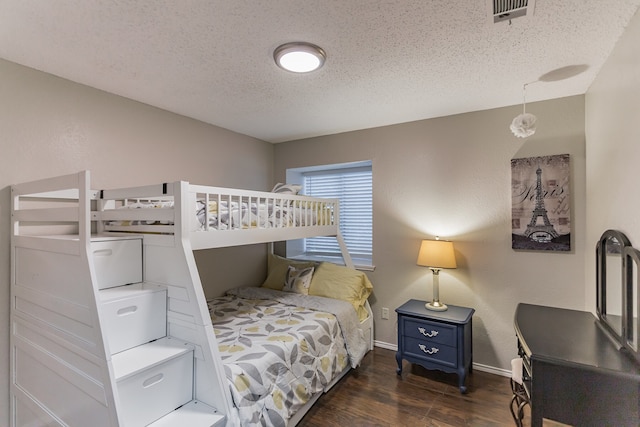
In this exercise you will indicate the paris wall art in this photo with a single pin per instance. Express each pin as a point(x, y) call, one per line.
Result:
point(540, 203)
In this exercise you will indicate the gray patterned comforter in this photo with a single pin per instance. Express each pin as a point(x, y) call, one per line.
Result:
point(280, 348)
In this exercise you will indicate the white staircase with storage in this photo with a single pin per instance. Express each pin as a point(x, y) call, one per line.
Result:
point(93, 340)
point(153, 372)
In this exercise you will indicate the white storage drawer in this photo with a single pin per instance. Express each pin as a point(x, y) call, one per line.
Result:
point(117, 262)
point(153, 380)
point(133, 315)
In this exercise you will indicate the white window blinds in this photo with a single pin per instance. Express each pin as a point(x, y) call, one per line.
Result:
point(353, 187)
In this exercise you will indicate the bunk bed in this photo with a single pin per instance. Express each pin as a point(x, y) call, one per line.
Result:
point(109, 322)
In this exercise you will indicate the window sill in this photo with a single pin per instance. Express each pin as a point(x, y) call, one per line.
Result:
point(361, 264)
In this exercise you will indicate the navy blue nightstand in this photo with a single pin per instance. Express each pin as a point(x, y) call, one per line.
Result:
point(436, 339)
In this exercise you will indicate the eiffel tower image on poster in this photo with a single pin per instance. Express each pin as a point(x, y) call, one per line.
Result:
point(537, 231)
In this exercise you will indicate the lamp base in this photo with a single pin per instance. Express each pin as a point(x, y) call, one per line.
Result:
point(436, 306)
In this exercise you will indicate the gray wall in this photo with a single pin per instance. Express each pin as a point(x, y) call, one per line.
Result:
point(451, 177)
point(613, 144)
point(51, 126)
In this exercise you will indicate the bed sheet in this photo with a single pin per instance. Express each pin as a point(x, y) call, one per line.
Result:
point(277, 355)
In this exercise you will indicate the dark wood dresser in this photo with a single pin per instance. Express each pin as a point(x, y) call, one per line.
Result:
point(573, 372)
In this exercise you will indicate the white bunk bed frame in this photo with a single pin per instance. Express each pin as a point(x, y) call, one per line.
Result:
point(62, 371)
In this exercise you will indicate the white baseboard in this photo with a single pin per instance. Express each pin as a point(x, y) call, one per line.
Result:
point(476, 366)
point(386, 345)
point(492, 370)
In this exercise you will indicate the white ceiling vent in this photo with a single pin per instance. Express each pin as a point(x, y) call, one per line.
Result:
point(506, 10)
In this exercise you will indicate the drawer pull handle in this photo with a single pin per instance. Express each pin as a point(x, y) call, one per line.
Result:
point(432, 350)
point(103, 252)
point(127, 310)
point(152, 381)
point(431, 334)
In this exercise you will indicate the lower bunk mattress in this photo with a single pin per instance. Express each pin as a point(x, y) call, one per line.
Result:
point(279, 349)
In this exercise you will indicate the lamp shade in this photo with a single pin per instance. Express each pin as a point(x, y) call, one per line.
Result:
point(436, 254)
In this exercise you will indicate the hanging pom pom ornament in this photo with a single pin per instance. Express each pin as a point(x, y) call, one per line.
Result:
point(524, 124)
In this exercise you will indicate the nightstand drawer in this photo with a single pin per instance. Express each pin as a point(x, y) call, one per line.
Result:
point(434, 332)
point(431, 351)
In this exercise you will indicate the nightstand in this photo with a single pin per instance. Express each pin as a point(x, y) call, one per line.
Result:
point(436, 339)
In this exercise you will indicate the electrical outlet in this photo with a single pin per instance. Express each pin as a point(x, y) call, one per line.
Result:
point(385, 313)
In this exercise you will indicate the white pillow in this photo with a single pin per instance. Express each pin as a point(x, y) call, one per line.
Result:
point(298, 280)
point(286, 188)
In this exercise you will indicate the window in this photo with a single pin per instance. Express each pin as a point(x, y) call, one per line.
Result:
point(352, 185)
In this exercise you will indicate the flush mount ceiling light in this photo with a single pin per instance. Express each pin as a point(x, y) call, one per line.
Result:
point(299, 57)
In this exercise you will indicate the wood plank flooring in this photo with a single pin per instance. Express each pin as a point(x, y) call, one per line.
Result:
point(374, 395)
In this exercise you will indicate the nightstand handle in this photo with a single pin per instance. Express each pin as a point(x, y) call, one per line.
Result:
point(431, 334)
point(424, 349)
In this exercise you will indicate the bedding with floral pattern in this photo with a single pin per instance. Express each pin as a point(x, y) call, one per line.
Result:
point(281, 348)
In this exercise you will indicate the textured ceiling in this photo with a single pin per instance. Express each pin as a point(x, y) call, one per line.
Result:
point(387, 61)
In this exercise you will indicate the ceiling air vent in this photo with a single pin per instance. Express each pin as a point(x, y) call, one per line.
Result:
point(506, 10)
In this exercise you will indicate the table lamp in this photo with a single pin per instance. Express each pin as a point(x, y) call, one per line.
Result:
point(436, 254)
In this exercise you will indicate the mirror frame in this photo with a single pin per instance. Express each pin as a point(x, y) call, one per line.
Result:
point(601, 285)
point(631, 261)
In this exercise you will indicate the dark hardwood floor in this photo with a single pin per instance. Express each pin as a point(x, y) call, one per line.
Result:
point(374, 395)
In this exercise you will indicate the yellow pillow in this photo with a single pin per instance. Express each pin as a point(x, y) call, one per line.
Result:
point(277, 267)
point(339, 282)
